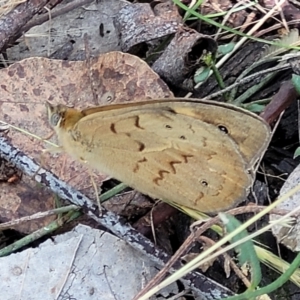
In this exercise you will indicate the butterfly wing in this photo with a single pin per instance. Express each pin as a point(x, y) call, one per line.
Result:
point(165, 154)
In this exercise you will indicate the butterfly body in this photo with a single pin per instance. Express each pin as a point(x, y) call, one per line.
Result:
point(173, 150)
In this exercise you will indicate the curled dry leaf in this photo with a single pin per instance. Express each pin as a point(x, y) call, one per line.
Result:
point(182, 56)
point(110, 78)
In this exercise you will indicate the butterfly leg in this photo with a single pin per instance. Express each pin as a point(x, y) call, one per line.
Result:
point(51, 149)
point(94, 186)
point(96, 191)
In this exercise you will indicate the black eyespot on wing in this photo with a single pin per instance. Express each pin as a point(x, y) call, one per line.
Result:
point(168, 126)
point(204, 183)
point(182, 137)
point(223, 129)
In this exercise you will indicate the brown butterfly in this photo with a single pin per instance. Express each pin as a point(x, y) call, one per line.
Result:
point(198, 154)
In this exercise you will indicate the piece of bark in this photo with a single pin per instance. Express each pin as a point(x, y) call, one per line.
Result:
point(12, 23)
point(63, 52)
point(138, 24)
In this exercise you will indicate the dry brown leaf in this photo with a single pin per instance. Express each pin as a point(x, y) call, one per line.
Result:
point(110, 78)
point(24, 199)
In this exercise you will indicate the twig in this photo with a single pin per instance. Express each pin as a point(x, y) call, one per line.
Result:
point(247, 79)
point(12, 23)
point(280, 101)
point(38, 215)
